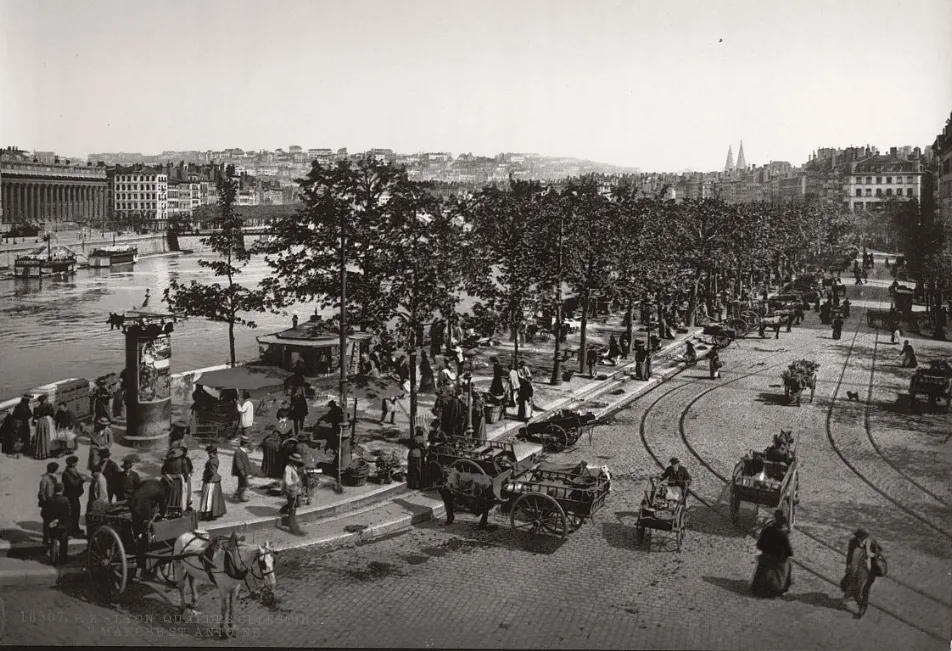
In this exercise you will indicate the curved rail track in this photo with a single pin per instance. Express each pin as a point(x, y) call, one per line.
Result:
point(724, 480)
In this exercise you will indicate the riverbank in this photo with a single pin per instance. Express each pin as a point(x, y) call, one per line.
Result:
point(149, 244)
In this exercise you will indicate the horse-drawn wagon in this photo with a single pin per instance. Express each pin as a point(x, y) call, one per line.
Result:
point(541, 499)
point(721, 336)
point(764, 479)
point(662, 509)
point(934, 382)
point(882, 318)
point(467, 454)
point(798, 377)
point(561, 430)
point(111, 547)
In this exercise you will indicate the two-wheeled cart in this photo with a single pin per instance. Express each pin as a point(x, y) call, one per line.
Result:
point(111, 547)
point(662, 509)
point(561, 430)
point(764, 483)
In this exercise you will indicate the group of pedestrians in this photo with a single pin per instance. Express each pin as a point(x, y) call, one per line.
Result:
point(41, 431)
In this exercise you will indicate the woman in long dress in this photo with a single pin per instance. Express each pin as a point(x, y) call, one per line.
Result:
point(497, 388)
point(173, 470)
point(525, 400)
point(271, 465)
point(43, 440)
point(863, 565)
point(772, 577)
point(212, 504)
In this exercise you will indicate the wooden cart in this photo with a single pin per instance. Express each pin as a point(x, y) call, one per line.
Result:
point(934, 382)
point(561, 430)
point(111, 547)
point(770, 484)
point(467, 454)
point(662, 509)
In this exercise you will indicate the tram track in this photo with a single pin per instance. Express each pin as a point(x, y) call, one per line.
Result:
point(872, 440)
point(711, 504)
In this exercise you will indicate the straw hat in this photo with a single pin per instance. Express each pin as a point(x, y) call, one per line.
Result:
point(103, 421)
point(296, 458)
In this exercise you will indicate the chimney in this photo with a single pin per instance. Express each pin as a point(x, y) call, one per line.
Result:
point(892, 151)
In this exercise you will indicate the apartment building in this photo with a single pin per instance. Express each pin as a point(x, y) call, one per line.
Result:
point(942, 149)
point(141, 196)
point(878, 179)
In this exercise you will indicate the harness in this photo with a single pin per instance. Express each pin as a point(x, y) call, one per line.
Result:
point(235, 567)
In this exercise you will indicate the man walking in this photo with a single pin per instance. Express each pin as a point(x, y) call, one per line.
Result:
point(241, 468)
point(292, 489)
point(58, 520)
point(113, 475)
point(246, 413)
point(47, 491)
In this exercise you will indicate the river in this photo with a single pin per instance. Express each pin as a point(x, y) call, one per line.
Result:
point(56, 329)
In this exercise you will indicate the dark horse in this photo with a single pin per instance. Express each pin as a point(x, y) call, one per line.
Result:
point(147, 503)
point(115, 321)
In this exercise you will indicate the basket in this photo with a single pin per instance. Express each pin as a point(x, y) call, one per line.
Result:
point(493, 413)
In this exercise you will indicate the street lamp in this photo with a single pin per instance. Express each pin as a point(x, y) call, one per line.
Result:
point(342, 343)
point(468, 376)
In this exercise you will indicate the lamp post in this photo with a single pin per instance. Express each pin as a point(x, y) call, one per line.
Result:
point(468, 376)
point(342, 344)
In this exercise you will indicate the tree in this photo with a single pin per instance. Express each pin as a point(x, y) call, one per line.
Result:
point(225, 303)
point(505, 251)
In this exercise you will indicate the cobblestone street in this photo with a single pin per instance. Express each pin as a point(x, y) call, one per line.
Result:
point(458, 586)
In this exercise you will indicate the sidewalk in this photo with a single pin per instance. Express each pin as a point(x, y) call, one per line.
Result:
point(335, 520)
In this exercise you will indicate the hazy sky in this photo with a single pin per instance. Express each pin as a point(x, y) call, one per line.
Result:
point(659, 85)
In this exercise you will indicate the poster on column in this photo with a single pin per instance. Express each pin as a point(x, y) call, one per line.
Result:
point(155, 356)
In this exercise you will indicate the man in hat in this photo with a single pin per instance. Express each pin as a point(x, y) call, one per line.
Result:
point(864, 563)
point(98, 491)
point(112, 473)
point(73, 490)
point(291, 485)
point(58, 520)
point(99, 438)
point(676, 474)
point(241, 468)
point(129, 480)
point(47, 484)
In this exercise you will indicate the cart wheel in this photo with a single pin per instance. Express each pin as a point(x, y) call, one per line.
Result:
point(471, 467)
point(433, 472)
point(735, 507)
point(108, 565)
point(680, 532)
point(722, 341)
point(740, 327)
point(554, 438)
point(640, 535)
point(534, 514)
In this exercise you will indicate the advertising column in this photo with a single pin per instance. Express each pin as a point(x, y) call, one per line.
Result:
point(148, 379)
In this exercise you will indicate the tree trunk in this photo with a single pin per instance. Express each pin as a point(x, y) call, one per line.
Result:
point(582, 347)
point(630, 315)
point(231, 341)
point(692, 302)
point(413, 385)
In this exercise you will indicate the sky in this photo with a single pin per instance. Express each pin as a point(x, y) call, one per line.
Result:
point(662, 86)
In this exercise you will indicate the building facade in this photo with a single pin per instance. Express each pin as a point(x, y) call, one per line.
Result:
point(878, 179)
point(140, 196)
point(942, 148)
point(46, 194)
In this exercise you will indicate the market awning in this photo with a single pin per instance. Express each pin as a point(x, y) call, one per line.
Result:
point(248, 378)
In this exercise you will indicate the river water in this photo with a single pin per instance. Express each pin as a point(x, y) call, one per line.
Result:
point(56, 329)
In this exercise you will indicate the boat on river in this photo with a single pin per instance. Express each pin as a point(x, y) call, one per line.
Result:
point(110, 256)
point(45, 262)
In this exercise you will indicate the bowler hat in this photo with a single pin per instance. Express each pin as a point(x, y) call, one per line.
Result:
point(103, 421)
point(674, 460)
point(72, 459)
point(211, 449)
point(175, 453)
point(296, 458)
point(290, 440)
point(861, 533)
point(128, 463)
point(105, 452)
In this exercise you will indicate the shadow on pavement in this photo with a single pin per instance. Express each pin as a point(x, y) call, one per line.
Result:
point(701, 519)
point(737, 586)
point(620, 536)
point(820, 599)
point(773, 398)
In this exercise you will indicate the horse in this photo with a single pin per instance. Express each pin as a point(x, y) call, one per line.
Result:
point(146, 503)
point(231, 566)
point(115, 321)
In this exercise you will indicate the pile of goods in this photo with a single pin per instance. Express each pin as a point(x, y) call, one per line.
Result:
point(802, 368)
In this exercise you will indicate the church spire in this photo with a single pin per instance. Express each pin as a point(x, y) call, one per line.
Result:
point(729, 165)
point(741, 163)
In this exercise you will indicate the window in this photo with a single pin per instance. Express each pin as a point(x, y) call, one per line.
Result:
point(869, 180)
point(869, 192)
point(859, 180)
point(898, 179)
point(879, 192)
point(859, 192)
point(879, 179)
point(888, 179)
point(908, 192)
point(888, 192)
point(908, 179)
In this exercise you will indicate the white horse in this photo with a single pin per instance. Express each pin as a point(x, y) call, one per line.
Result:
point(228, 570)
